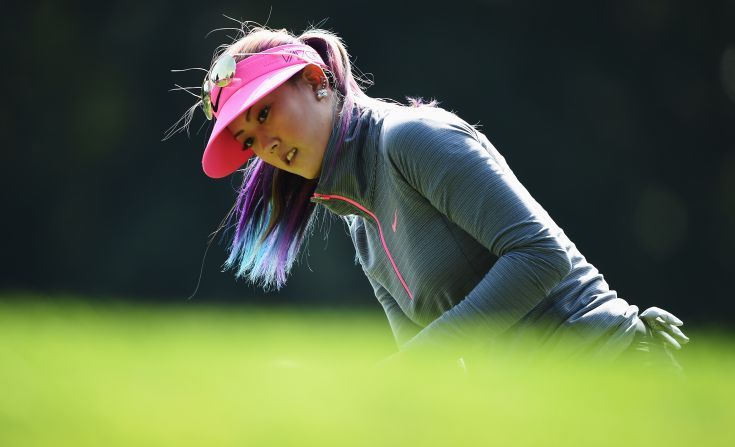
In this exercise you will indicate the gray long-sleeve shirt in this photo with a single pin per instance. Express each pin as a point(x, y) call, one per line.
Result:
point(451, 241)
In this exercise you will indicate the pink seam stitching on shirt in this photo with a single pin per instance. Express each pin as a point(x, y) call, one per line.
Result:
point(380, 230)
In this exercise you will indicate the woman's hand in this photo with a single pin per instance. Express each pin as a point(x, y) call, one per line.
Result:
point(665, 326)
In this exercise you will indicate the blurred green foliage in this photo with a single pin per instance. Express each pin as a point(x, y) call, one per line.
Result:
point(81, 374)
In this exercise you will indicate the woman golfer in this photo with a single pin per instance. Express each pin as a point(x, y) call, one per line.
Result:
point(456, 249)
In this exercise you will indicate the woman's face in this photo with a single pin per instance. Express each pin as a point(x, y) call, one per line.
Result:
point(289, 128)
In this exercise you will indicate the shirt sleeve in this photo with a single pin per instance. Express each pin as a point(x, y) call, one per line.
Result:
point(470, 183)
point(403, 328)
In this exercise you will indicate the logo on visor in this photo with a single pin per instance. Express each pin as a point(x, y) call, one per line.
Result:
point(215, 106)
point(305, 55)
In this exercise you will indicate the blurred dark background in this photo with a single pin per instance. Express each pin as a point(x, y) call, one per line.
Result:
point(618, 116)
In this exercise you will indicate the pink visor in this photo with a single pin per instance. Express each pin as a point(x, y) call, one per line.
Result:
point(255, 77)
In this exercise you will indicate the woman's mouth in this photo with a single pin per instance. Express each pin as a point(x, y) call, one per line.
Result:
point(290, 155)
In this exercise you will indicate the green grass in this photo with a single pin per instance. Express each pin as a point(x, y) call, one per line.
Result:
point(82, 375)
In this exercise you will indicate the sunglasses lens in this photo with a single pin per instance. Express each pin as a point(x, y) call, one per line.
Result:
point(207, 99)
point(221, 74)
point(223, 71)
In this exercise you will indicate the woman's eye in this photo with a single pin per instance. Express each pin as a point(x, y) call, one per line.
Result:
point(248, 143)
point(263, 114)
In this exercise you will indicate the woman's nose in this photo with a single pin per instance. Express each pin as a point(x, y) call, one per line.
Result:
point(268, 144)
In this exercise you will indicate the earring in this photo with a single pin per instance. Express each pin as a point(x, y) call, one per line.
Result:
point(322, 92)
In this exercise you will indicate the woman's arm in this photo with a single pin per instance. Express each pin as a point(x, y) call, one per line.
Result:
point(403, 328)
point(443, 159)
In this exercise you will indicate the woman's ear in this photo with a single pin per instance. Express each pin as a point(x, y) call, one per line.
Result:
point(313, 75)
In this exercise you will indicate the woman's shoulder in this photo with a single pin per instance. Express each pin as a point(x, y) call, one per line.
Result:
point(422, 127)
point(407, 118)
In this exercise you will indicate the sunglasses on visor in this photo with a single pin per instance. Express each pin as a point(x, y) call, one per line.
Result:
point(223, 72)
point(221, 75)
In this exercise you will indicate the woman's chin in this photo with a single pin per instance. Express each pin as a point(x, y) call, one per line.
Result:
point(309, 175)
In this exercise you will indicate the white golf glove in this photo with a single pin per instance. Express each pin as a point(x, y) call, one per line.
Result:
point(665, 326)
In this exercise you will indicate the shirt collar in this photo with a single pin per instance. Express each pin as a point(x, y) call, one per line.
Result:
point(348, 171)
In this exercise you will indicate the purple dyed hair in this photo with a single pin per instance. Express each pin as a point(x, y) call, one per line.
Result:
point(273, 214)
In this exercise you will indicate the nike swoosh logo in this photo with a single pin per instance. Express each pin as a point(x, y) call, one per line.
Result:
point(395, 220)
